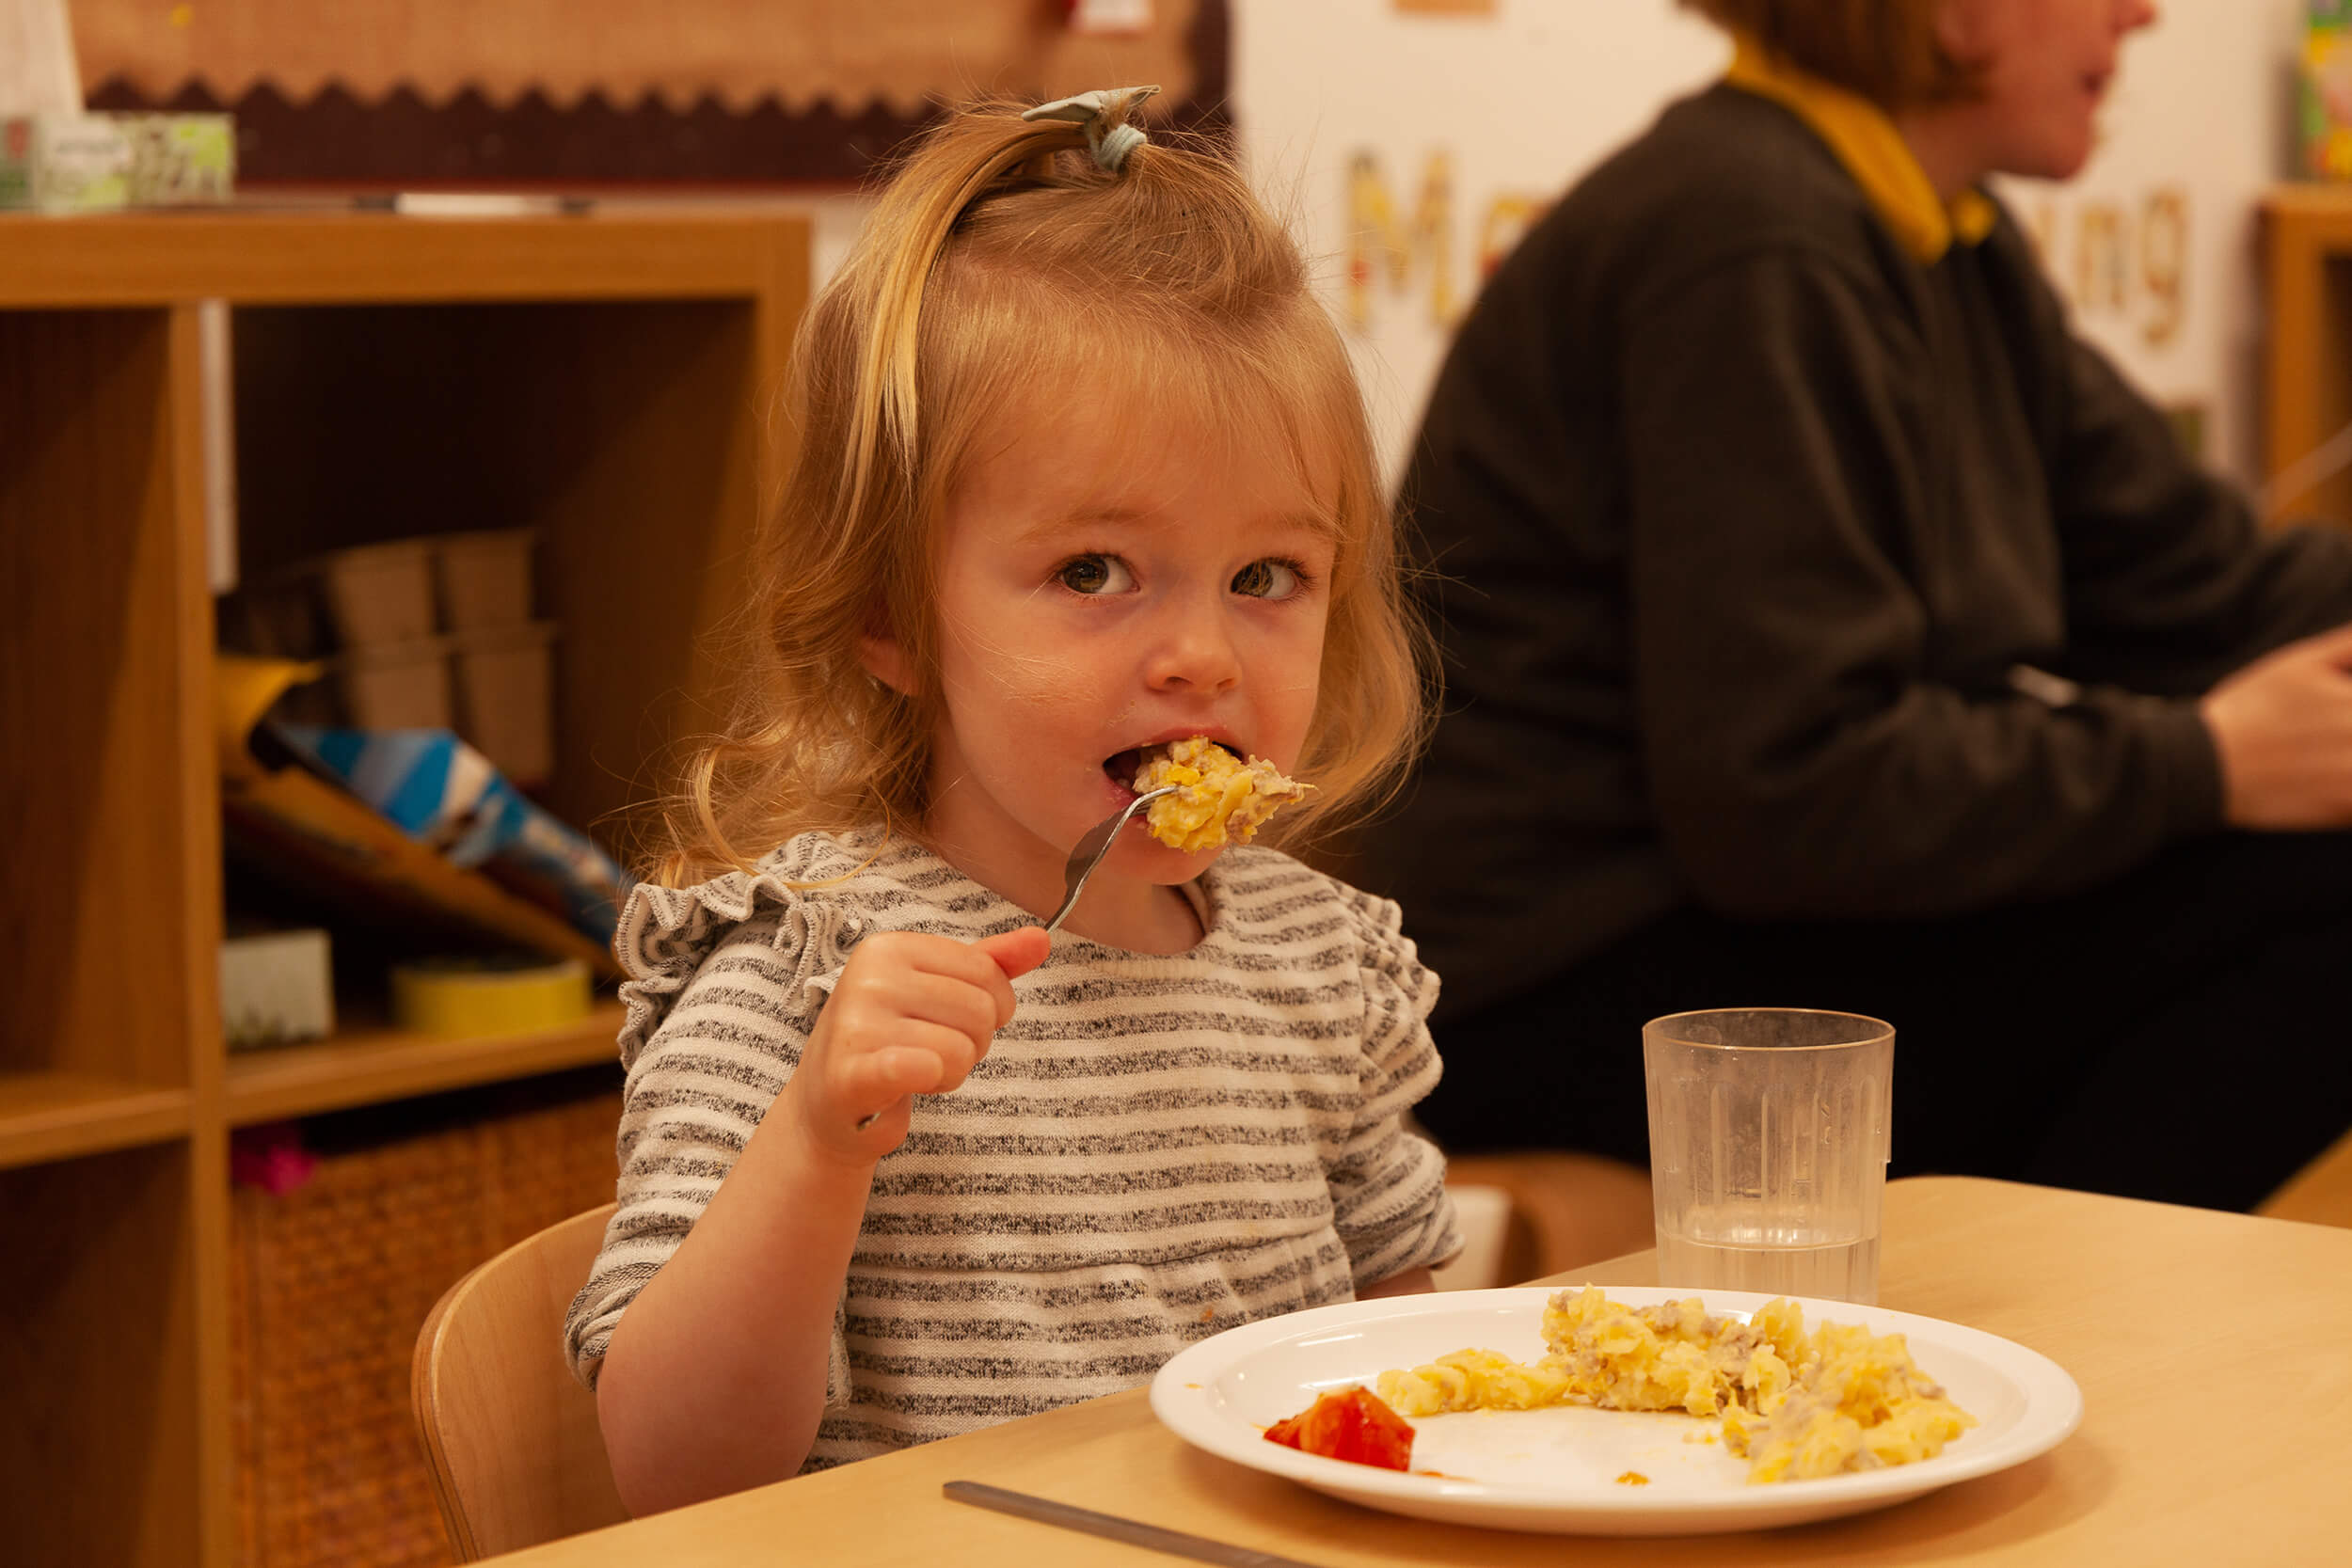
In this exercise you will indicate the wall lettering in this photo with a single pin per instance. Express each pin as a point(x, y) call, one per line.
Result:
point(2118, 261)
point(1418, 250)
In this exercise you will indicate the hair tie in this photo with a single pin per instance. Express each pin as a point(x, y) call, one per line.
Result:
point(1110, 147)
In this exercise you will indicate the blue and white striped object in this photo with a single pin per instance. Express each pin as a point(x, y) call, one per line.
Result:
point(441, 792)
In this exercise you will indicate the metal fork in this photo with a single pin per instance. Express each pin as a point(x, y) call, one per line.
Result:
point(1090, 850)
point(1077, 869)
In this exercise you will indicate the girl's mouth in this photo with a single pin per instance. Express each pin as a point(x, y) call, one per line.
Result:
point(1120, 768)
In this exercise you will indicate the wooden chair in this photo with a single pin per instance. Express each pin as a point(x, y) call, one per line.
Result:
point(2320, 1192)
point(510, 1436)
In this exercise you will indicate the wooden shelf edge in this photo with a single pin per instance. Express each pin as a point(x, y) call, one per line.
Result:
point(61, 1115)
point(2325, 197)
point(145, 258)
point(371, 1066)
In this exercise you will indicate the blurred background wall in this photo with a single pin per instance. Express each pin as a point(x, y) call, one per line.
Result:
point(1417, 142)
point(1415, 138)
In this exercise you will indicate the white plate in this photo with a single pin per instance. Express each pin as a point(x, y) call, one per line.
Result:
point(1556, 1470)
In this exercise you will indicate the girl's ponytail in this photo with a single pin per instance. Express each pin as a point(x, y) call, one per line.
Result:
point(909, 228)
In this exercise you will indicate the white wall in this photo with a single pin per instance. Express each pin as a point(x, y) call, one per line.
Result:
point(1523, 102)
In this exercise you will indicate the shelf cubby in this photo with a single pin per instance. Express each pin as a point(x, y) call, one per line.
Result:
point(606, 380)
point(101, 1451)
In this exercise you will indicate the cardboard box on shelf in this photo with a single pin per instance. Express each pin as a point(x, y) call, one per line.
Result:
point(378, 594)
point(79, 163)
point(181, 160)
point(64, 163)
point(485, 579)
point(505, 685)
point(396, 686)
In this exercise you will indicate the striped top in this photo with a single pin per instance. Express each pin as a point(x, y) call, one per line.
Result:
point(1157, 1146)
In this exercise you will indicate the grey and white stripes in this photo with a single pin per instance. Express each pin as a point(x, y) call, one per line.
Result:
point(1155, 1148)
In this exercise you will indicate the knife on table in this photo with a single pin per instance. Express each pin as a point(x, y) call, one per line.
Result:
point(1133, 1532)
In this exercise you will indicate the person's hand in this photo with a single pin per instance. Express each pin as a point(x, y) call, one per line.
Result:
point(910, 1015)
point(2283, 728)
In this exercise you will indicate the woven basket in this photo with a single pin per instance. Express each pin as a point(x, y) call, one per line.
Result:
point(331, 1282)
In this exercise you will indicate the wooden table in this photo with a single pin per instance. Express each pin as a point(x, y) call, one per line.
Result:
point(2214, 1351)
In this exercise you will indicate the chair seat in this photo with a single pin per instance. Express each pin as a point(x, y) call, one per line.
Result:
point(510, 1435)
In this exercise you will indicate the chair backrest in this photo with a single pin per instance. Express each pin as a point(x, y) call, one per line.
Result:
point(511, 1437)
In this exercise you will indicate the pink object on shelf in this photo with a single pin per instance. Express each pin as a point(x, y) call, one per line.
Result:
point(271, 1157)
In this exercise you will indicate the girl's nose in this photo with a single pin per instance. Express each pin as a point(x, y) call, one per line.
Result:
point(1193, 651)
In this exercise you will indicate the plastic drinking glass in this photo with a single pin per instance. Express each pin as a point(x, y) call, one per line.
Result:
point(1767, 1149)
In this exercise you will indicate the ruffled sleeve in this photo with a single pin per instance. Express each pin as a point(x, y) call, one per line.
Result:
point(1387, 1184)
point(726, 982)
point(666, 933)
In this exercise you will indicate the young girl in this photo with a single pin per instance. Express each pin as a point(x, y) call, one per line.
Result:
point(1082, 471)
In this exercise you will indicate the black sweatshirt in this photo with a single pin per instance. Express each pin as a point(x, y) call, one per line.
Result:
point(1741, 522)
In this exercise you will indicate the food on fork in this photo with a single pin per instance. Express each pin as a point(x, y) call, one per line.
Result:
point(1351, 1424)
point(1218, 794)
point(1793, 1406)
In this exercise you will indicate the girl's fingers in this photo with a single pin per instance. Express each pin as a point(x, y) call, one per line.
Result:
point(988, 965)
point(1016, 953)
point(924, 1059)
point(912, 1012)
point(971, 964)
point(945, 1000)
point(873, 1084)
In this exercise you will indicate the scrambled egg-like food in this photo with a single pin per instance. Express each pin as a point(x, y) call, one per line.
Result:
point(1793, 1405)
point(1217, 795)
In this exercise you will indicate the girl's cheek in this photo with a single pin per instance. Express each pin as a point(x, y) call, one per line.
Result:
point(1038, 680)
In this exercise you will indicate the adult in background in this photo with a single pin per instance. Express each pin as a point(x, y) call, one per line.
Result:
point(1827, 626)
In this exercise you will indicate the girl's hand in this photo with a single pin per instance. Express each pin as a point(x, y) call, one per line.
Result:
point(910, 1015)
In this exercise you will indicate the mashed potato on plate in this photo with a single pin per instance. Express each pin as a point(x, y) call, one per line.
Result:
point(1793, 1405)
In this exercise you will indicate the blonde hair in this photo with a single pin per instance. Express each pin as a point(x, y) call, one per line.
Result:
point(1001, 255)
point(1886, 50)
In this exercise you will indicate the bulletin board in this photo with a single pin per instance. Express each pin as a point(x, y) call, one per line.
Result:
point(597, 91)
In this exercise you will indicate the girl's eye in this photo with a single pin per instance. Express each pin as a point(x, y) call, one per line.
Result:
point(1268, 579)
point(1094, 574)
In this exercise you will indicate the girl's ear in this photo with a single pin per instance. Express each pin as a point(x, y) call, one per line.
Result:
point(1960, 29)
point(885, 660)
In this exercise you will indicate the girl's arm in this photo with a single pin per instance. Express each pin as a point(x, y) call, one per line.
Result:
point(1412, 1282)
point(714, 1380)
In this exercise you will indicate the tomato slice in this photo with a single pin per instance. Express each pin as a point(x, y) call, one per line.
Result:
point(1353, 1424)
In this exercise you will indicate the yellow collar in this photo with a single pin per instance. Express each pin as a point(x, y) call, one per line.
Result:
point(1872, 150)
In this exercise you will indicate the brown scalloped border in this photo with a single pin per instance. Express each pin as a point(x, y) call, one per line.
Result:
point(335, 138)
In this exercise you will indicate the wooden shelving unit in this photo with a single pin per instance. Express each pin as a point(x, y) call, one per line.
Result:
point(57, 1115)
point(2307, 371)
point(606, 379)
point(364, 1067)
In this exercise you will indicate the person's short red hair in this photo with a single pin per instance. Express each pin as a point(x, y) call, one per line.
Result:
point(1886, 50)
